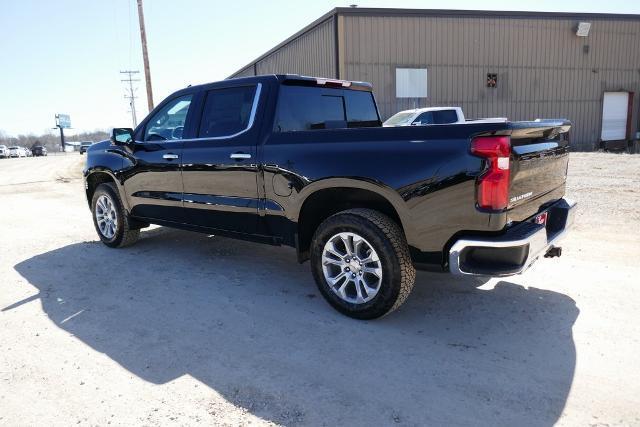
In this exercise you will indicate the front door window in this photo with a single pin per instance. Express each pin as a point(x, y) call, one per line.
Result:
point(168, 123)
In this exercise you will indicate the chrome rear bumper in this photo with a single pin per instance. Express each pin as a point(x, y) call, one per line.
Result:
point(514, 251)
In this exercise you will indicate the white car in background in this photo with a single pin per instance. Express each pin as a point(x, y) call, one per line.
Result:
point(426, 116)
point(16, 151)
point(4, 152)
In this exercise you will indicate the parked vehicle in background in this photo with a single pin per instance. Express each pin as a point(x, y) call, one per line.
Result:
point(84, 146)
point(426, 116)
point(27, 152)
point(16, 151)
point(305, 162)
point(39, 150)
point(4, 152)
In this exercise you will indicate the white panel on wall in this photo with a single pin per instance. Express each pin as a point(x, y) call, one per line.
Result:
point(411, 82)
point(614, 116)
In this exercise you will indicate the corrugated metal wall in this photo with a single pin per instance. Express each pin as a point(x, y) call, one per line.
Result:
point(543, 70)
point(245, 72)
point(311, 54)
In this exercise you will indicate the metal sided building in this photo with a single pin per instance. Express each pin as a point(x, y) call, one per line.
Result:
point(521, 65)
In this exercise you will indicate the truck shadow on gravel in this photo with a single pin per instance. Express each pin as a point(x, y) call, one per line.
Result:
point(247, 321)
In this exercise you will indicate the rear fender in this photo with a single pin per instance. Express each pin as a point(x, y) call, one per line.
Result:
point(378, 188)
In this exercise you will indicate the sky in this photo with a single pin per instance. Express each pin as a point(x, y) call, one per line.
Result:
point(65, 56)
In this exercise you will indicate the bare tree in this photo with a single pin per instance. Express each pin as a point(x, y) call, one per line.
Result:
point(52, 142)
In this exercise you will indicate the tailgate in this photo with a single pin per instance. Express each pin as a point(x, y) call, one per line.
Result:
point(539, 160)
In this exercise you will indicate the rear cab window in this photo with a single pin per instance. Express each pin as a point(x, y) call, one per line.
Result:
point(304, 108)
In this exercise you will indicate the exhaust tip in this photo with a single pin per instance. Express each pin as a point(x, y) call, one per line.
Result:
point(555, 251)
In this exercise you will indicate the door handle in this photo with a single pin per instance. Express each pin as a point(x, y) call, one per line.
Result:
point(170, 156)
point(240, 156)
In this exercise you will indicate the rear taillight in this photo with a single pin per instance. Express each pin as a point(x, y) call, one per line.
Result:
point(493, 185)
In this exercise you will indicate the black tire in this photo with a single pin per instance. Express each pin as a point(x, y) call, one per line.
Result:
point(124, 234)
point(387, 239)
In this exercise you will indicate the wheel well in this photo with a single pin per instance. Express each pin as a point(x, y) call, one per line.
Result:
point(324, 203)
point(94, 180)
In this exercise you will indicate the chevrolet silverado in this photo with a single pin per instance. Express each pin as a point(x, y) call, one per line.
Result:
point(305, 162)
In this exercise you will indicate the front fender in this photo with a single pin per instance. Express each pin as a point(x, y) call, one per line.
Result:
point(102, 159)
point(93, 173)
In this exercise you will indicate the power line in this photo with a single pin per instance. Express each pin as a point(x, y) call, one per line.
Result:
point(131, 94)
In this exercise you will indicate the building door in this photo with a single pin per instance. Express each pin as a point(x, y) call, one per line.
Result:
point(615, 108)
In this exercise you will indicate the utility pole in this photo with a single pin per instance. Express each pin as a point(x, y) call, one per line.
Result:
point(145, 56)
point(131, 95)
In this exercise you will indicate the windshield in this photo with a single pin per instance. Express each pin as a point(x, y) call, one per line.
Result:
point(399, 118)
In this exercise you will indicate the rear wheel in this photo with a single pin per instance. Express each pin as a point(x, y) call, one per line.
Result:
point(110, 218)
point(361, 264)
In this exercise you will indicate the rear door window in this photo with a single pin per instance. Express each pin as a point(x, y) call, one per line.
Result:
point(226, 111)
point(445, 116)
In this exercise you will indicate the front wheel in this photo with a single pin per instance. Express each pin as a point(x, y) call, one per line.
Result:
point(110, 218)
point(361, 264)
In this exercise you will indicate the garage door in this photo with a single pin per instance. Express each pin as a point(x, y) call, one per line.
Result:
point(614, 116)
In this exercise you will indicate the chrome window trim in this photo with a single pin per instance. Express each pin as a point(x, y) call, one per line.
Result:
point(252, 116)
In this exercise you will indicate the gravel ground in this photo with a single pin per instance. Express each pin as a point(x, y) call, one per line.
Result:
point(187, 329)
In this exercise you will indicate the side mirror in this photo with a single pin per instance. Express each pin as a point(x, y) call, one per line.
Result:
point(121, 136)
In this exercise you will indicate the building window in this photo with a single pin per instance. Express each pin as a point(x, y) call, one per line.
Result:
point(492, 80)
point(411, 82)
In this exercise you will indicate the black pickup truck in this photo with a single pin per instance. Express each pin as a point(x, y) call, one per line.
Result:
point(305, 162)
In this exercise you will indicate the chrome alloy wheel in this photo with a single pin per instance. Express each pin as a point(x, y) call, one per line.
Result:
point(106, 216)
point(351, 268)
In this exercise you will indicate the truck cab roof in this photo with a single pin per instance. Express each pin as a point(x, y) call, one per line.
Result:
point(294, 79)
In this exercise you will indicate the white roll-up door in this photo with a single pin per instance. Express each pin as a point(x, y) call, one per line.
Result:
point(614, 116)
